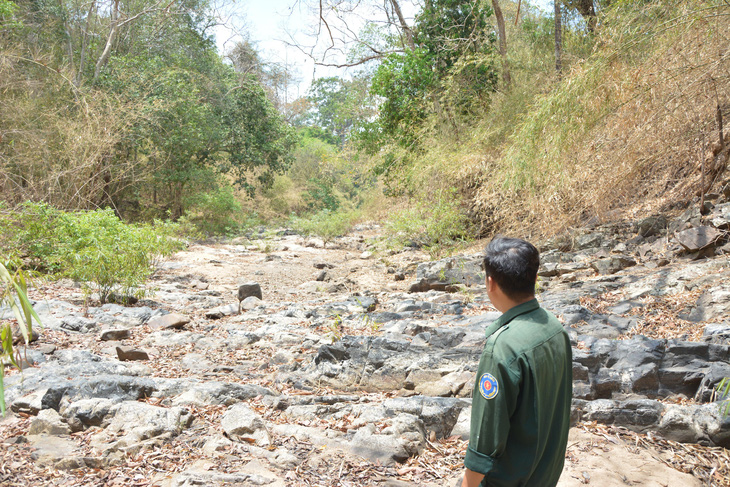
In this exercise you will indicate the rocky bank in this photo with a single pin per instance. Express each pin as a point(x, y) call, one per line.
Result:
point(280, 360)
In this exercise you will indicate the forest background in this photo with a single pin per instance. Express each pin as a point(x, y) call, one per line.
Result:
point(472, 118)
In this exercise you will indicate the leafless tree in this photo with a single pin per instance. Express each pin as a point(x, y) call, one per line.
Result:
point(348, 33)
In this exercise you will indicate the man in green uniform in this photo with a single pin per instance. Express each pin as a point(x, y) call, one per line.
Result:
point(521, 401)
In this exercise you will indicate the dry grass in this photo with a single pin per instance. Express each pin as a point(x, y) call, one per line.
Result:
point(626, 128)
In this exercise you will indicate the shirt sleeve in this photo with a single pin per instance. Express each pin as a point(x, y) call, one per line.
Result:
point(494, 400)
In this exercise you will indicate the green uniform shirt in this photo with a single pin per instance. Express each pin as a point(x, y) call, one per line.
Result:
point(521, 402)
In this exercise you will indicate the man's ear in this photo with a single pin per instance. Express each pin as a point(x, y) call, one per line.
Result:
point(491, 284)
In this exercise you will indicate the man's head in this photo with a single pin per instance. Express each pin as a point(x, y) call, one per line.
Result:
point(512, 263)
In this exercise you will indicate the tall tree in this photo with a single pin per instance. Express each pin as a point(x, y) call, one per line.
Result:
point(558, 37)
point(506, 78)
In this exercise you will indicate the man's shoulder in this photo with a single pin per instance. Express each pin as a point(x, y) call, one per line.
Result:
point(528, 330)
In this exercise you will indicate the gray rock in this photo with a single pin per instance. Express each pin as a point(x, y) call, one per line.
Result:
point(240, 422)
point(141, 421)
point(713, 304)
point(85, 413)
point(246, 289)
point(50, 449)
point(448, 274)
point(199, 478)
point(637, 414)
point(117, 316)
point(612, 264)
point(699, 238)
point(717, 331)
point(49, 422)
point(438, 414)
point(130, 353)
point(695, 424)
point(210, 392)
point(652, 225)
point(222, 311)
point(115, 334)
point(589, 240)
point(78, 324)
point(169, 321)
point(402, 438)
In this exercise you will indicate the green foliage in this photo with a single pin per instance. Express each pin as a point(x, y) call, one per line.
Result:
point(13, 294)
point(433, 223)
point(321, 196)
point(404, 81)
point(216, 212)
point(326, 224)
point(94, 247)
point(449, 29)
point(7, 10)
point(339, 105)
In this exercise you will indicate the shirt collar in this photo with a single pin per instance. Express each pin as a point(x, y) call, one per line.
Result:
point(511, 314)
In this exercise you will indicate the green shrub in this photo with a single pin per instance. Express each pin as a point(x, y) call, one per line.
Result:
point(95, 247)
point(216, 212)
point(434, 223)
point(326, 224)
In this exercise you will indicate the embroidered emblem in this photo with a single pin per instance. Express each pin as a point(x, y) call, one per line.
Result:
point(488, 386)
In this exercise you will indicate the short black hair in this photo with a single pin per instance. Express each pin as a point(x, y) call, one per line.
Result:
point(513, 264)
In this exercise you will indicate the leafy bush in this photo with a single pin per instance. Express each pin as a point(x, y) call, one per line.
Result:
point(216, 212)
point(326, 224)
point(432, 223)
point(94, 247)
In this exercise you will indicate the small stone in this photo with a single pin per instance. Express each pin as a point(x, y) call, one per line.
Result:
point(19, 338)
point(167, 322)
point(322, 276)
point(366, 255)
point(250, 303)
point(246, 289)
point(323, 265)
point(47, 349)
point(131, 353)
point(120, 334)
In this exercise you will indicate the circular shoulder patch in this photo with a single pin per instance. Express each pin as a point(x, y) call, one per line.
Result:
point(488, 386)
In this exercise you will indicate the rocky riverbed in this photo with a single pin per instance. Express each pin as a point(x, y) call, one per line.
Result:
point(282, 360)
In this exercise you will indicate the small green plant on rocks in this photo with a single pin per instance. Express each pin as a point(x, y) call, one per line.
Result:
point(14, 295)
point(723, 393)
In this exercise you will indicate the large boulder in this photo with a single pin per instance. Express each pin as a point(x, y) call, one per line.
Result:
point(140, 421)
point(241, 423)
point(448, 274)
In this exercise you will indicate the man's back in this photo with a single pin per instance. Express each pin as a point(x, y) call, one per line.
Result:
point(521, 403)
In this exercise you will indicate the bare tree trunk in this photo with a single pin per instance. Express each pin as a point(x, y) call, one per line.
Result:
point(407, 32)
point(506, 78)
point(558, 37)
point(84, 44)
point(69, 44)
point(104, 58)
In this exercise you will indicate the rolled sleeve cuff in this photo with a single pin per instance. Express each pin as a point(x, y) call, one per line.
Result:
point(478, 462)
